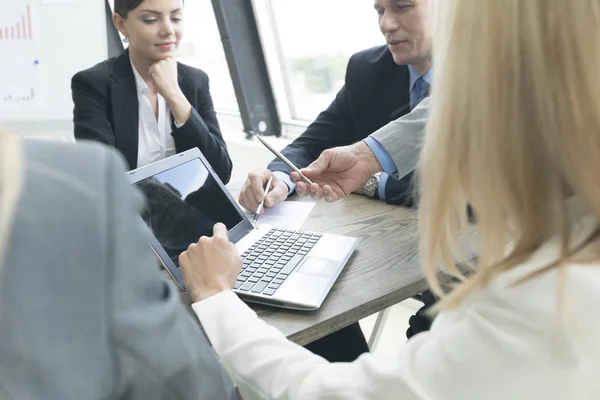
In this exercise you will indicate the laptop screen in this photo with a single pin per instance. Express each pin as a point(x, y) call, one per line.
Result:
point(183, 204)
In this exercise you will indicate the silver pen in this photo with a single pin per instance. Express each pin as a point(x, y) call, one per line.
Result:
point(283, 158)
point(261, 204)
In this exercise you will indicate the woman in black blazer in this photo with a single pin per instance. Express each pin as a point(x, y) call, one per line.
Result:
point(143, 102)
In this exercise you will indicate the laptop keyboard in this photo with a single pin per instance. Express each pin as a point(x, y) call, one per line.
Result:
point(269, 261)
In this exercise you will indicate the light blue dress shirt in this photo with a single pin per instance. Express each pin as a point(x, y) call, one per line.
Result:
point(389, 168)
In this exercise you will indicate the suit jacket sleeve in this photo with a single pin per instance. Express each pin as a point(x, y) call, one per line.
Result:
point(401, 192)
point(333, 127)
point(402, 138)
point(202, 131)
point(90, 115)
point(159, 351)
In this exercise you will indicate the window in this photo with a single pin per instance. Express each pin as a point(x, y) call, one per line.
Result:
point(201, 47)
point(307, 45)
point(313, 41)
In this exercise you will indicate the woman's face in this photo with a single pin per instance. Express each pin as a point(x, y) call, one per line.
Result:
point(154, 29)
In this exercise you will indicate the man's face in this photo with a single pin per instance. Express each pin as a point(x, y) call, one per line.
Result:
point(405, 25)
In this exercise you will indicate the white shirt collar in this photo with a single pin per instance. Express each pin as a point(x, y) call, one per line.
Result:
point(155, 141)
point(140, 83)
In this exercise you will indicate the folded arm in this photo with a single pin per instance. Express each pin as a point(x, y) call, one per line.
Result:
point(202, 130)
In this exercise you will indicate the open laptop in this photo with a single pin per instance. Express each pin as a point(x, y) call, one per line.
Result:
point(282, 268)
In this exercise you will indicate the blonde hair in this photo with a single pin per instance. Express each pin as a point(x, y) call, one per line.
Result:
point(515, 121)
point(11, 173)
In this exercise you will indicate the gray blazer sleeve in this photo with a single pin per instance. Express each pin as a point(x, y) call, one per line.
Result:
point(158, 350)
point(402, 138)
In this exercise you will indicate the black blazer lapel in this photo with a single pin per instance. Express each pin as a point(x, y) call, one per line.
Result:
point(124, 102)
point(187, 88)
point(185, 85)
point(394, 90)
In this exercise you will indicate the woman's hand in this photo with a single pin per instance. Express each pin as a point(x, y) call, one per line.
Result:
point(210, 266)
point(164, 78)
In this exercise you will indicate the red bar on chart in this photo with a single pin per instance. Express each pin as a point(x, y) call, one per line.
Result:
point(29, 20)
point(12, 32)
point(0, 34)
point(24, 27)
point(6, 32)
point(18, 30)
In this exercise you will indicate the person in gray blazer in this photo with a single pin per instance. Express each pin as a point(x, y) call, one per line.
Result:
point(84, 310)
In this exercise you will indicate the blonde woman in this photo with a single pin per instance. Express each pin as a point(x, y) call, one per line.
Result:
point(515, 132)
point(84, 313)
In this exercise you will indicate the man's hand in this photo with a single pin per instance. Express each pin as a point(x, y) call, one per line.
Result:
point(253, 191)
point(337, 172)
point(210, 266)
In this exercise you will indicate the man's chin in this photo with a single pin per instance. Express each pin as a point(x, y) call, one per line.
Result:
point(401, 59)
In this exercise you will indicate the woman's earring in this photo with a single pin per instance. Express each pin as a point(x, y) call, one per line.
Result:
point(125, 40)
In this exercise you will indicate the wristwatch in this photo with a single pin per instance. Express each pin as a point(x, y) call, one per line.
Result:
point(371, 184)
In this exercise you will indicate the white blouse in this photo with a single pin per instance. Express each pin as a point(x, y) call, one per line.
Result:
point(503, 342)
point(154, 134)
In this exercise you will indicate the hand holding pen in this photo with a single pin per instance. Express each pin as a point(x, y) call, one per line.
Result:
point(261, 204)
point(337, 172)
point(253, 190)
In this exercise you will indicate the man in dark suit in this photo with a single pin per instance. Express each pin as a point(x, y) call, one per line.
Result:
point(382, 84)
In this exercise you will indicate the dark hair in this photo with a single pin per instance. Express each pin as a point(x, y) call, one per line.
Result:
point(122, 7)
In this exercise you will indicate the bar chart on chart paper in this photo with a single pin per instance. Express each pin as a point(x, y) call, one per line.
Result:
point(17, 27)
point(18, 92)
point(20, 69)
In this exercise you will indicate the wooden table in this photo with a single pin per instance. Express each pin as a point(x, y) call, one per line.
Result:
point(383, 271)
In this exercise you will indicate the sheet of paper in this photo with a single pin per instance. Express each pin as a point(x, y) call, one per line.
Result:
point(286, 215)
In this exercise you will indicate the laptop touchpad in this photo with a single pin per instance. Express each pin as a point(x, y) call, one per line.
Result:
point(322, 267)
